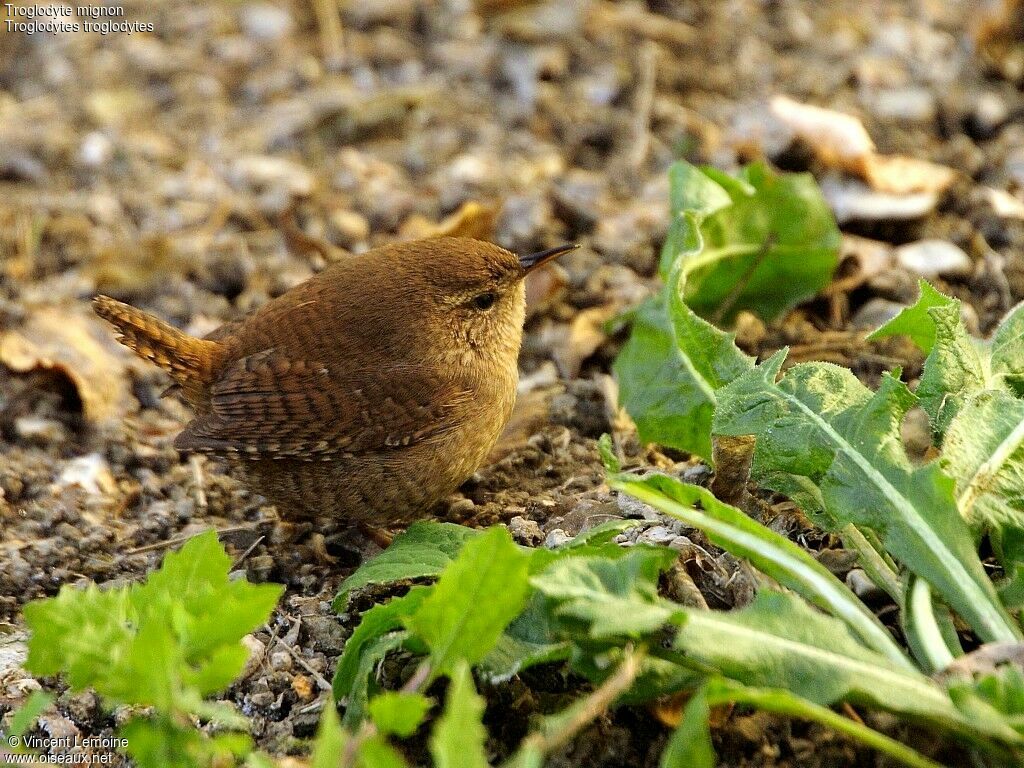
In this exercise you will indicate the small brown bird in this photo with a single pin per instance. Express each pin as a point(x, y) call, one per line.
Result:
point(370, 392)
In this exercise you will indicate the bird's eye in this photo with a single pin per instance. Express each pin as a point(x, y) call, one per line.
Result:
point(484, 301)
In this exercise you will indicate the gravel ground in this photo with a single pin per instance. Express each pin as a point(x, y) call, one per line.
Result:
point(158, 168)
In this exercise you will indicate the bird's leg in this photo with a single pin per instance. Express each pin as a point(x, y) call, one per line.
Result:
point(378, 536)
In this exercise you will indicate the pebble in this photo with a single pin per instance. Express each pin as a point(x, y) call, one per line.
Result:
point(631, 508)
point(263, 21)
point(525, 531)
point(913, 103)
point(657, 534)
point(556, 538)
point(349, 227)
point(853, 200)
point(876, 312)
point(90, 472)
point(989, 114)
point(257, 651)
point(325, 634)
point(39, 430)
point(281, 661)
point(932, 258)
point(862, 586)
point(95, 150)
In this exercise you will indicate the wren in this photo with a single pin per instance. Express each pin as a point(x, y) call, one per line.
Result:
point(369, 392)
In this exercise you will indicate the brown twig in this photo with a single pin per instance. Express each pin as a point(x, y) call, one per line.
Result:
point(587, 709)
point(182, 539)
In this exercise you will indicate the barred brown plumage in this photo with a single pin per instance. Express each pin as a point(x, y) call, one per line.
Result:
point(370, 391)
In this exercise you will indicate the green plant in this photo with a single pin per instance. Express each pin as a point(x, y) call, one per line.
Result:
point(166, 645)
point(822, 438)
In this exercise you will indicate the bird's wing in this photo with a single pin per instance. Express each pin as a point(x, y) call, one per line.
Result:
point(267, 405)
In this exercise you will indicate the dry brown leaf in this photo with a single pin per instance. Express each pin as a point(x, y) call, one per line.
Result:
point(544, 288)
point(581, 338)
point(906, 175)
point(74, 343)
point(472, 219)
point(840, 141)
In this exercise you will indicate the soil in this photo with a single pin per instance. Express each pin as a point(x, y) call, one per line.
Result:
point(158, 168)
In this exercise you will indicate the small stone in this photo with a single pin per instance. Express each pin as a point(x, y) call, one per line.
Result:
point(325, 634)
point(257, 651)
point(40, 431)
point(95, 150)
point(988, 116)
point(349, 227)
point(657, 534)
point(631, 508)
point(90, 472)
point(281, 661)
point(876, 313)
point(556, 538)
point(525, 531)
point(263, 21)
point(863, 587)
point(913, 104)
point(855, 201)
point(932, 258)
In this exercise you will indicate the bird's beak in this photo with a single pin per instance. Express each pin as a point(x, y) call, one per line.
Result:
point(534, 260)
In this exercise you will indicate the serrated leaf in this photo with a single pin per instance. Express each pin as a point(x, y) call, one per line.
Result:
point(984, 453)
point(475, 598)
point(819, 422)
point(374, 623)
point(610, 597)
point(775, 245)
point(459, 737)
point(670, 368)
point(399, 713)
point(914, 321)
point(422, 550)
point(166, 643)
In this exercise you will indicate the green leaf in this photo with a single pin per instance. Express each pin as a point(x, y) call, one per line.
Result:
point(983, 451)
point(776, 242)
point(422, 550)
point(607, 450)
point(611, 597)
point(779, 641)
point(771, 553)
point(399, 713)
point(915, 321)
point(363, 684)
point(475, 598)
point(166, 643)
point(330, 739)
point(528, 641)
point(26, 715)
point(690, 745)
point(375, 623)
point(670, 368)
point(820, 423)
point(377, 753)
point(459, 737)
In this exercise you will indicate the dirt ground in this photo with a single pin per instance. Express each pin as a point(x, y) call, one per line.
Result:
point(156, 169)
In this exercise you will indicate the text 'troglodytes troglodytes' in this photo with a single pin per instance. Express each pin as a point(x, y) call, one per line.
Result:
point(371, 391)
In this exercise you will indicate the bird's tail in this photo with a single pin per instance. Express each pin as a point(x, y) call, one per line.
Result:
point(187, 359)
